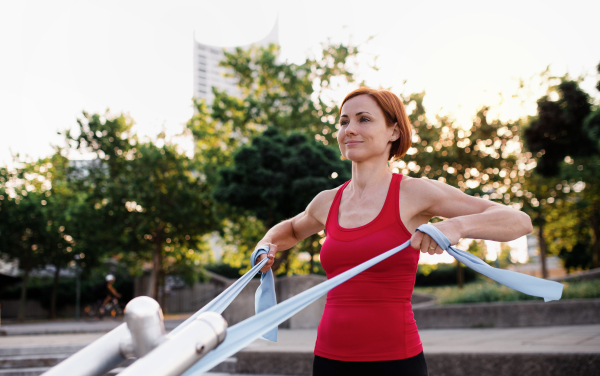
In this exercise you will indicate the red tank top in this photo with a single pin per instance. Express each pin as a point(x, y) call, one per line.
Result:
point(369, 317)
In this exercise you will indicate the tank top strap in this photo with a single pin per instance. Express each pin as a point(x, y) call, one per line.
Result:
point(395, 188)
point(390, 211)
point(334, 208)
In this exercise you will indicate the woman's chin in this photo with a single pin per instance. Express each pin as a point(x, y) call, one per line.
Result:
point(355, 157)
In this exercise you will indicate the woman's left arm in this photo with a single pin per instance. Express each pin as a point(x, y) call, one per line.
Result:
point(468, 216)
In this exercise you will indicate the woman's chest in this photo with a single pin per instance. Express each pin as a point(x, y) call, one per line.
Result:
point(339, 255)
point(354, 213)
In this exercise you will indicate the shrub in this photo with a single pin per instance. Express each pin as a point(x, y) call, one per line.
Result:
point(490, 291)
point(441, 274)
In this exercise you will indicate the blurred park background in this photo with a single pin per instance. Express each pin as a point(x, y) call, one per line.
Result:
point(141, 140)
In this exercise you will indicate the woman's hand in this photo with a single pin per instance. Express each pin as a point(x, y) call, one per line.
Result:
point(426, 244)
point(270, 255)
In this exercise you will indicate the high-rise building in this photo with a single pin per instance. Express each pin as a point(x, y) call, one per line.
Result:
point(207, 72)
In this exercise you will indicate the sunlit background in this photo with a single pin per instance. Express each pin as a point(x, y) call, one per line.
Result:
point(62, 57)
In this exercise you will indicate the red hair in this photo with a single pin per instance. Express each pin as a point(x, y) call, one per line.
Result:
point(394, 112)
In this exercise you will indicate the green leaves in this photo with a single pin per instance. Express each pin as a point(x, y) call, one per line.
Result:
point(277, 176)
point(558, 129)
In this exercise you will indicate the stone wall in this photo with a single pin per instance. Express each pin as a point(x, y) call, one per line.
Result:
point(509, 314)
point(439, 364)
point(428, 315)
point(192, 298)
point(586, 275)
point(310, 316)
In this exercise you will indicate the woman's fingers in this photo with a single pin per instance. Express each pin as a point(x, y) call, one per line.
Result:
point(270, 255)
point(425, 243)
point(416, 239)
point(267, 266)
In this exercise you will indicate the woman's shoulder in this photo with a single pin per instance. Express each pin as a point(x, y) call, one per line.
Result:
point(418, 187)
point(319, 206)
point(326, 196)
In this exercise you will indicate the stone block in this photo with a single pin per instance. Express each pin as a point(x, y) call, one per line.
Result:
point(509, 314)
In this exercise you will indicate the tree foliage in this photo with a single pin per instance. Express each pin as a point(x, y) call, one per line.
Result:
point(565, 141)
point(277, 176)
point(150, 201)
point(558, 129)
point(288, 97)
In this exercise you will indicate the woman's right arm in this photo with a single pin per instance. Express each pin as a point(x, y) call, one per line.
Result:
point(286, 234)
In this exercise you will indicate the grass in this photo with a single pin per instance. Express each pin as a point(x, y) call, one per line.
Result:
point(489, 291)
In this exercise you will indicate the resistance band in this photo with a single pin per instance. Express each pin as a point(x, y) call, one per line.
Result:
point(269, 317)
point(225, 298)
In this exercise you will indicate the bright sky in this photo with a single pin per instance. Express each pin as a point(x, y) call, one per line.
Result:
point(62, 57)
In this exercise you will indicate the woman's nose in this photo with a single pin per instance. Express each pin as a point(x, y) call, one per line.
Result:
point(350, 129)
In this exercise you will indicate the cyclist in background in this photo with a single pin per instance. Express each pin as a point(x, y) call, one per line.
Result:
point(107, 291)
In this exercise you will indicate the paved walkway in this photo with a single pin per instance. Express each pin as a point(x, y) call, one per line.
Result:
point(63, 327)
point(556, 339)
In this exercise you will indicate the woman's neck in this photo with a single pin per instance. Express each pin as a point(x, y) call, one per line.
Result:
point(369, 174)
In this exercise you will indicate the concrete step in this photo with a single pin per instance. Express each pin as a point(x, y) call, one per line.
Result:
point(228, 366)
point(31, 361)
point(36, 371)
point(39, 370)
point(33, 371)
point(35, 361)
point(40, 350)
point(441, 364)
point(32, 357)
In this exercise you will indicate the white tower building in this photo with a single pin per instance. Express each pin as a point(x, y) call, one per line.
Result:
point(206, 70)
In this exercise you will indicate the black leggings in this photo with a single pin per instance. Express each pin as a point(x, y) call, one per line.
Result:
point(415, 366)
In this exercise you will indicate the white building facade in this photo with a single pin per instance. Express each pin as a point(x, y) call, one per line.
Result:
point(208, 74)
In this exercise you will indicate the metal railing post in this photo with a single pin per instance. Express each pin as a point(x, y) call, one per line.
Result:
point(143, 331)
point(143, 336)
point(180, 351)
point(96, 359)
point(144, 320)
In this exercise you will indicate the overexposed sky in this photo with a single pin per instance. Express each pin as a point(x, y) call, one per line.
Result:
point(62, 57)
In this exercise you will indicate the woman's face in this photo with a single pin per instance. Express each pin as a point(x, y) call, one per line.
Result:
point(363, 131)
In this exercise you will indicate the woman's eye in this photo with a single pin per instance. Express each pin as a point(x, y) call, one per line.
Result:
point(364, 118)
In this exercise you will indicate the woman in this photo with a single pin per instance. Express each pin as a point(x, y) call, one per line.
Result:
point(368, 325)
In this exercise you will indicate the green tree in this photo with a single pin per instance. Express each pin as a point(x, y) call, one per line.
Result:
point(150, 200)
point(58, 207)
point(290, 97)
point(23, 232)
point(557, 131)
point(43, 190)
point(482, 160)
point(277, 176)
point(563, 137)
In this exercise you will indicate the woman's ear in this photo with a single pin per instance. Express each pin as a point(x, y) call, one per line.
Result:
point(395, 133)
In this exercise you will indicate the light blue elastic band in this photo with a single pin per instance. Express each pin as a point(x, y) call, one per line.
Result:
point(549, 290)
point(225, 298)
point(265, 294)
point(271, 314)
point(243, 333)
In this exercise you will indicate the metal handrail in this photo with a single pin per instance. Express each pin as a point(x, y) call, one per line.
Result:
point(97, 358)
point(143, 336)
point(143, 333)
